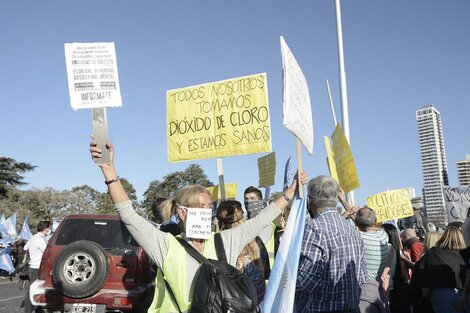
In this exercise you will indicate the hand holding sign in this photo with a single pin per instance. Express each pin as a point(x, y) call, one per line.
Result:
point(97, 153)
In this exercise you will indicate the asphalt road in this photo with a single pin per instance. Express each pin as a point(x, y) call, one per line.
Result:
point(10, 296)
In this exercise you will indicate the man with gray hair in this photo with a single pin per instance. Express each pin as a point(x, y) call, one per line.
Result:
point(412, 244)
point(331, 265)
point(376, 255)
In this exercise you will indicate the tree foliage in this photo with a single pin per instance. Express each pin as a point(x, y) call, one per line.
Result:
point(51, 204)
point(83, 199)
point(48, 203)
point(192, 175)
point(11, 173)
point(105, 205)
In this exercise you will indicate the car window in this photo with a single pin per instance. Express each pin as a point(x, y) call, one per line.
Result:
point(110, 234)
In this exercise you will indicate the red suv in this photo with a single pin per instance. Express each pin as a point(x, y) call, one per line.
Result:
point(92, 264)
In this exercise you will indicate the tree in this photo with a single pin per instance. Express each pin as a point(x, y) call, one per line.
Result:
point(83, 199)
point(105, 204)
point(35, 203)
point(45, 204)
point(10, 173)
point(192, 175)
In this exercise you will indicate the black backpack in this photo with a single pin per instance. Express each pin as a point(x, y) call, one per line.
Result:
point(218, 287)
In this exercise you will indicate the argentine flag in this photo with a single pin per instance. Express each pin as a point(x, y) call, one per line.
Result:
point(280, 292)
point(9, 226)
point(2, 219)
point(5, 260)
point(25, 232)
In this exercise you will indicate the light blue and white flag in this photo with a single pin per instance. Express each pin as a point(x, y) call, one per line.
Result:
point(6, 241)
point(8, 226)
point(2, 219)
point(280, 293)
point(5, 260)
point(25, 232)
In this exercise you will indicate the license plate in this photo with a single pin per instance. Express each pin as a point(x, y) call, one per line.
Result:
point(84, 308)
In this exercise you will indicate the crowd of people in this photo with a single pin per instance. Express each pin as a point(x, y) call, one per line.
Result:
point(26, 258)
point(17, 256)
point(347, 262)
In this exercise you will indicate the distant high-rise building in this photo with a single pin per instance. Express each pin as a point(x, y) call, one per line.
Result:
point(463, 170)
point(433, 162)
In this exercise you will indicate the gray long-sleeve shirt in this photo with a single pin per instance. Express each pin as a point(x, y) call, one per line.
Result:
point(155, 242)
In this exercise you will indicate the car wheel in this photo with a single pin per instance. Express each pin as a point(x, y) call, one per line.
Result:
point(81, 269)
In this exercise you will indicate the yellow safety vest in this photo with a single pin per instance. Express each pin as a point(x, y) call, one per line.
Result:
point(174, 270)
point(270, 247)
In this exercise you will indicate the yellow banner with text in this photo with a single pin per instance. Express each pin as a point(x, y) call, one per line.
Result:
point(219, 119)
point(391, 204)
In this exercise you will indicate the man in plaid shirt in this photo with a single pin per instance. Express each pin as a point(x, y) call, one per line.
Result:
point(331, 267)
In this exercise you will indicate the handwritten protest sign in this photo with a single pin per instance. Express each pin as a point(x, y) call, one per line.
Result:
point(457, 203)
point(296, 107)
point(391, 204)
point(230, 191)
point(198, 223)
point(92, 75)
point(267, 170)
point(214, 120)
point(331, 159)
point(344, 161)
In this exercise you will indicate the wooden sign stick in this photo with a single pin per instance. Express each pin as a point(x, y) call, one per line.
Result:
point(299, 167)
point(100, 133)
point(220, 170)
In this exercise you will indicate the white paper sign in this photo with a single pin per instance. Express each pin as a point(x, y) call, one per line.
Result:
point(296, 107)
point(92, 75)
point(457, 203)
point(198, 223)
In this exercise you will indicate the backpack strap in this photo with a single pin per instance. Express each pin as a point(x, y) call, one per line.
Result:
point(192, 251)
point(219, 248)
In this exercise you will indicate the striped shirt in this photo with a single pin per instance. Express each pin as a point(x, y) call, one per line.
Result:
point(376, 252)
point(331, 265)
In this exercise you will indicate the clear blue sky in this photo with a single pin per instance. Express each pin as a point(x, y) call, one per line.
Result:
point(400, 55)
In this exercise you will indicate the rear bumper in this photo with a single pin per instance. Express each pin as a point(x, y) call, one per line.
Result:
point(113, 299)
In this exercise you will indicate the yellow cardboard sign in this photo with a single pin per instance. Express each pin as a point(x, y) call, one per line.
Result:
point(267, 170)
point(230, 191)
point(331, 159)
point(218, 119)
point(344, 161)
point(391, 204)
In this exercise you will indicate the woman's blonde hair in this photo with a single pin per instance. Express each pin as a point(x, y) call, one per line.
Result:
point(431, 239)
point(452, 239)
point(187, 196)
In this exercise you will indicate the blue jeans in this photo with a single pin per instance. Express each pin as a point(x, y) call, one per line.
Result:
point(446, 300)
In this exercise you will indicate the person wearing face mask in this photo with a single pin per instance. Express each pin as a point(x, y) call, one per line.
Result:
point(192, 205)
point(35, 247)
